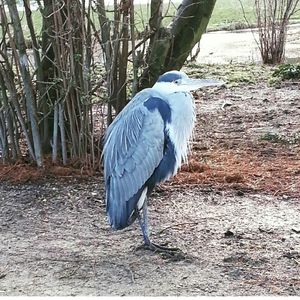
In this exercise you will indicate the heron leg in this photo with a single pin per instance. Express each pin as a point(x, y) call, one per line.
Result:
point(143, 221)
point(144, 224)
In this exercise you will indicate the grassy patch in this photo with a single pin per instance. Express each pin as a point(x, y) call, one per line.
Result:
point(227, 15)
point(277, 138)
point(233, 74)
point(287, 71)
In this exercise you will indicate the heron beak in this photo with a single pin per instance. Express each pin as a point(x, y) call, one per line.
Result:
point(195, 84)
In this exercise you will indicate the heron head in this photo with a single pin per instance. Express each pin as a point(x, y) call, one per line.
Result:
point(178, 81)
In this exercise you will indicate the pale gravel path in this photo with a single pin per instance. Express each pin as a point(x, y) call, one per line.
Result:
point(240, 47)
point(54, 241)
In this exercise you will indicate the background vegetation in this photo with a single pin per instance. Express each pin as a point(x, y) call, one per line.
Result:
point(68, 67)
point(227, 15)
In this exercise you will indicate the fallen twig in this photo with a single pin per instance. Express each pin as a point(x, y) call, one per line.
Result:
point(9, 169)
point(296, 261)
point(296, 292)
point(69, 274)
point(131, 274)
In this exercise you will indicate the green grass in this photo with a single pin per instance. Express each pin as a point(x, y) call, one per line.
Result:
point(227, 15)
point(232, 74)
point(282, 139)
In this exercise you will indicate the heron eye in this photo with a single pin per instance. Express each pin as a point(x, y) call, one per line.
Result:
point(177, 81)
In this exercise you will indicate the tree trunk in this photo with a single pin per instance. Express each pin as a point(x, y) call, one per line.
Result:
point(187, 28)
point(169, 47)
point(47, 70)
point(9, 119)
point(123, 57)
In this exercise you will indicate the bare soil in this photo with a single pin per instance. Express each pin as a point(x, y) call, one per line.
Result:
point(234, 211)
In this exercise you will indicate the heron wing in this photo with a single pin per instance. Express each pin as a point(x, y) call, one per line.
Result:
point(133, 148)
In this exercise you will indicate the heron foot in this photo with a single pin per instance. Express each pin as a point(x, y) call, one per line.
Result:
point(161, 248)
point(166, 252)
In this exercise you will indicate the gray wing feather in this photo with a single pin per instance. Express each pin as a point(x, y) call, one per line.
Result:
point(133, 149)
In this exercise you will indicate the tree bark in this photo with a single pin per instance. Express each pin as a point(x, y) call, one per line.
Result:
point(123, 57)
point(8, 76)
point(187, 28)
point(47, 71)
point(9, 119)
point(169, 47)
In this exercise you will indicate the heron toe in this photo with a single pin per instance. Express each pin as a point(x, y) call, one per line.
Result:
point(172, 252)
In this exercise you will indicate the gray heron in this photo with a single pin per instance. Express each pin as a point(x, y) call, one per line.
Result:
point(145, 145)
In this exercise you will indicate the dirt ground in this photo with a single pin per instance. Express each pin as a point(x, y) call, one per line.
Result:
point(234, 211)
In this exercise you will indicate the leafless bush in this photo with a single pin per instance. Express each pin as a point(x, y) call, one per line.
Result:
point(272, 20)
point(47, 95)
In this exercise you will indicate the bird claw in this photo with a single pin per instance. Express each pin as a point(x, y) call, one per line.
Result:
point(173, 253)
point(163, 248)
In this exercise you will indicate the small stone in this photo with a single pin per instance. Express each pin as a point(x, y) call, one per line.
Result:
point(240, 193)
point(229, 233)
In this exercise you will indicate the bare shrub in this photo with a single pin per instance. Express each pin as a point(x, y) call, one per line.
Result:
point(47, 93)
point(272, 20)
